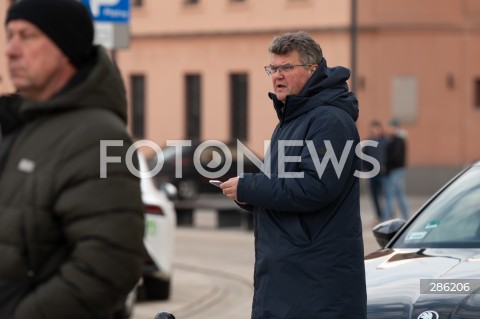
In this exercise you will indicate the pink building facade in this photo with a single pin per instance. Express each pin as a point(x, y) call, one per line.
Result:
point(194, 69)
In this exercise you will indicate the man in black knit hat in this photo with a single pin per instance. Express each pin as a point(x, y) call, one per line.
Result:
point(71, 241)
point(66, 25)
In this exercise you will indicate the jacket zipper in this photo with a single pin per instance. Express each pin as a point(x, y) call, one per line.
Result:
point(284, 110)
point(283, 117)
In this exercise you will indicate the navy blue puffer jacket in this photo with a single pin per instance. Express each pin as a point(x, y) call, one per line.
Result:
point(308, 234)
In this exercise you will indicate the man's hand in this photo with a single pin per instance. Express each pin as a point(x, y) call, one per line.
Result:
point(229, 189)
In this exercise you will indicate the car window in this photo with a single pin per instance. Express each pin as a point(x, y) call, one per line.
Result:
point(452, 220)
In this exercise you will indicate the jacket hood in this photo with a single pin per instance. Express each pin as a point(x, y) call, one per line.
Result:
point(101, 87)
point(326, 86)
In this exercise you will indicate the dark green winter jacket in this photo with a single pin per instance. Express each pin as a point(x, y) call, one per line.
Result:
point(69, 238)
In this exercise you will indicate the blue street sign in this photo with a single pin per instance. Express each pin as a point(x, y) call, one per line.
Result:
point(115, 11)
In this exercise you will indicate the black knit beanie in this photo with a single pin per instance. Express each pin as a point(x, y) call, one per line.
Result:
point(67, 23)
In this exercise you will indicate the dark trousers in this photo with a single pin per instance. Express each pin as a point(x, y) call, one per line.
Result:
point(376, 190)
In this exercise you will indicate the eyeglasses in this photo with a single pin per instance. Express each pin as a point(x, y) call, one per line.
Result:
point(271, 69)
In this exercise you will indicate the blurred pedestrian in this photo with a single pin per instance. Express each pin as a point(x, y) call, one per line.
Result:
point(308, 233)
point(394, 185)
point(377, 134)
point(71, 242)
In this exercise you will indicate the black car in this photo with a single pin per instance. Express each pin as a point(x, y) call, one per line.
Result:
point(429, 267)
point(200, 163)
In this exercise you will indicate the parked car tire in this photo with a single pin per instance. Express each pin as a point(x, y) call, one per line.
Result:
point(154, 288)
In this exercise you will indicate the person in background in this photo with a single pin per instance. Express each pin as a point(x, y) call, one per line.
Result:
point(71, 242)
point(379, 153)
point(308, 233)
point(394, 185)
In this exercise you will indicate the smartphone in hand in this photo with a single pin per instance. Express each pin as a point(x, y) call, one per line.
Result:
point(215, 182)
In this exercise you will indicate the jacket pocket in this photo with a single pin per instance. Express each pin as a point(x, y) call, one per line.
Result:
point(285, 225)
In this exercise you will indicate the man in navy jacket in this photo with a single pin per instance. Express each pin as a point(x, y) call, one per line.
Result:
point(308, 234)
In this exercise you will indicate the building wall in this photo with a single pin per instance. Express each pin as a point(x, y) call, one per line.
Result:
point(176, 17)
point(435, 42)
point(214, 39)
point(432, 41)
point(166, 61)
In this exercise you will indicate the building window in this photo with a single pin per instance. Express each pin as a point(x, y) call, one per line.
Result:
point(137, 3)
point(137, 85)
point(193, 90)
point(477, 93)
point(239, 106)
point(405, 98)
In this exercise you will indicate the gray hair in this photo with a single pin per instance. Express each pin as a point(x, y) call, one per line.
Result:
point(309, 50)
